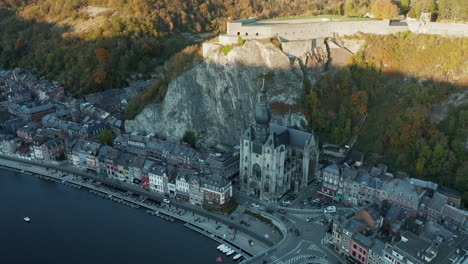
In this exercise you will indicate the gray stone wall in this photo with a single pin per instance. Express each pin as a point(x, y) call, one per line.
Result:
point(313, 29)
point(435, 28)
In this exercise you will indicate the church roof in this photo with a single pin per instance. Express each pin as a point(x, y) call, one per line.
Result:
point(290, 136)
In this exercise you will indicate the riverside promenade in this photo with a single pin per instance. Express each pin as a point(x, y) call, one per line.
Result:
point(216, 226)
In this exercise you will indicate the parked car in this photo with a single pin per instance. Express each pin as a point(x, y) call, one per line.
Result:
point(255, 205)
point(166, 201)
point(316, 200)
point(305, 202)
point(330, 209)
point(297, 232)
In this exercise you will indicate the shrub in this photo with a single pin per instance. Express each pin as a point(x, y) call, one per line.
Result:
point(240, 41)
point(227, 49)
point(259, 217)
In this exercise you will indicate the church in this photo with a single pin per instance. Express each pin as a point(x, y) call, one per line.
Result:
point(275, 159)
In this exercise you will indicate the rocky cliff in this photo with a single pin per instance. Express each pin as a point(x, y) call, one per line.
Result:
point(217, 98)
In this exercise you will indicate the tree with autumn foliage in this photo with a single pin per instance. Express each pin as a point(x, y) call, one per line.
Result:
point(384, 9)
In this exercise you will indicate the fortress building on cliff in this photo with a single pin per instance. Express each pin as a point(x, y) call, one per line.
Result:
point(299, 29)
point(275, 159)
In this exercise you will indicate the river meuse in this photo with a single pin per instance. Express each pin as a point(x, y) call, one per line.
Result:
point(74, 226)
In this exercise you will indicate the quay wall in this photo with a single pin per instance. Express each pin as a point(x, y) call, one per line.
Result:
point(140, 191)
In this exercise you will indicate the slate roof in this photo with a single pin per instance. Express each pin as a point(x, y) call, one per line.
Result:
point(290, 136)
point(378, 247)
point(38, 109)
point(108, 152)
point(424, 184)
point(89, 147)
point(215, 181)
point(415, 245)
point(362, 240)
point(392, 213)
point(455, 214)
point(184, 174)
point(127, 160)
point(55, 142)
point(437, 202)
point(353, 225)
point(333, 169)
point(449, 192)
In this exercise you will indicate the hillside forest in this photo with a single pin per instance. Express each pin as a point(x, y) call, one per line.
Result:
point(404, 82)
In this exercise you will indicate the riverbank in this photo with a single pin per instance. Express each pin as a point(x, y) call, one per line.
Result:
point(213, 226)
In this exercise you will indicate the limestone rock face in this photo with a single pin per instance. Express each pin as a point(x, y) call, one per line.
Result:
point(217, 98)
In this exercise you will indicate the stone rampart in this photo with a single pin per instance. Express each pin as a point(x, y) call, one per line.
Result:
point(310, 30)
point(435, 28)
point(305, 29)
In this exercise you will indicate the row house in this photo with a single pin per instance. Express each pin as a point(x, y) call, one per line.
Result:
point(217, 190)
point(196, 190)
point(434, 207)
point(455, 218)
point(27, 133)
point(360, 246)
point(91, 130)
point(183, 184)
point(145, 181)
point(51, 150)
point(366, 222)
point(178, 155)
point(84, 154)
point(403, 193)
point(414, 249)
point(129, 168)
point(8, 145)
point(158, 179)
point(331, 179)
point(224, 164)
point(369, 188)
point(212, 190)
point(107, 161)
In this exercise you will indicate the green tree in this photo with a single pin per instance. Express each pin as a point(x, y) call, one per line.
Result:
point(106, 137)
point(404, 6)
point(190, 138)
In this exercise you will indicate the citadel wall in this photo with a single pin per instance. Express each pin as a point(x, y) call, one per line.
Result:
point(292, 30)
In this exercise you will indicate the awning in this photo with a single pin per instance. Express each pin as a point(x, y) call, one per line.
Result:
point(337, 196)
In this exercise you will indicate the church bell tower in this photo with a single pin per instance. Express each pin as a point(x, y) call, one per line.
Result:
point(262, 115)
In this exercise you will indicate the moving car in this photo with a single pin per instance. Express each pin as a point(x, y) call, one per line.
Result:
point(330, 209)
point(166, 201)
point(281, 211)
point(255, 205)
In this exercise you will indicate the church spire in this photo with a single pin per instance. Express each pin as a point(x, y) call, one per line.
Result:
point(262, 114)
